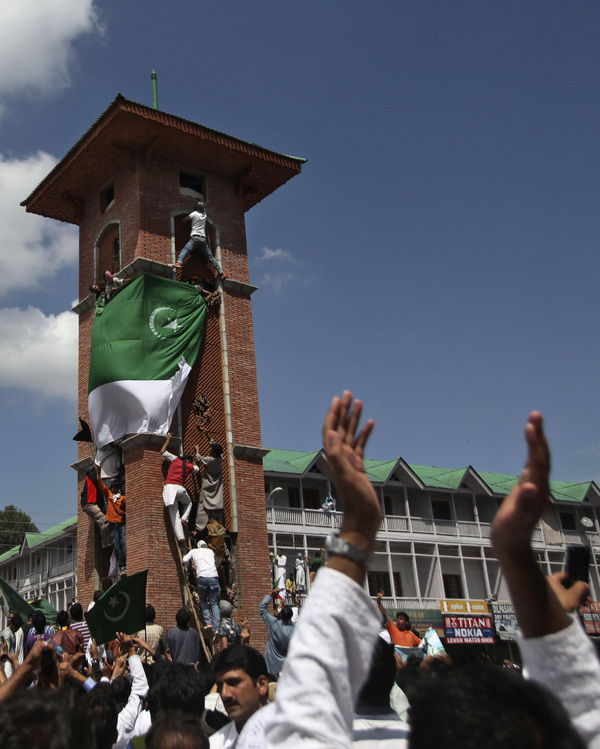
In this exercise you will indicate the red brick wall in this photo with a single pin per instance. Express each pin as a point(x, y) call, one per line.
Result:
point(145, 199)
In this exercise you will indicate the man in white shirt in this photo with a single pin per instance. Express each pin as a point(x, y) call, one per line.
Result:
point(208, 582)
point(197, 240)
point(243, 683)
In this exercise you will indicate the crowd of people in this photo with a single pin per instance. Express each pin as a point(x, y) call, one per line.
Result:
point(331, 674)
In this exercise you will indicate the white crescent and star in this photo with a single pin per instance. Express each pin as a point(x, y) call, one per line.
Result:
point(114, 603)
point(163, 322)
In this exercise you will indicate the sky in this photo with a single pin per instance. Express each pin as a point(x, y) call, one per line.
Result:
point(437, 255)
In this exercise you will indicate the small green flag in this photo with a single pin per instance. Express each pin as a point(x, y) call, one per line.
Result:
point(121, 609)
point(143, 348)
point(14, 602)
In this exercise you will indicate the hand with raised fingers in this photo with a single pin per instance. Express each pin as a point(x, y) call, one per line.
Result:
point(345, 448)
point(520, 512)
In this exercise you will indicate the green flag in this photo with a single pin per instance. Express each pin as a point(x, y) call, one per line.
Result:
point(121, 609)
point(14, 602)
point(143, 348)
point(41, 604)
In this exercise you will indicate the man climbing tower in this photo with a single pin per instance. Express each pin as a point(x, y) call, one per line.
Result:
point(174, 490)
point(197, 240)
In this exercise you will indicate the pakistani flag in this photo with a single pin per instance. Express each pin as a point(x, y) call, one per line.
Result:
point(143, 347)
point(14, 602)
point(121, 609)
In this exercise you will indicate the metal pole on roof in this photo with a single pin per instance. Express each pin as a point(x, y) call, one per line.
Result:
point(154, 90)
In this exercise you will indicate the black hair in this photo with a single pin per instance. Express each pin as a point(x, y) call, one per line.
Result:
point(17, 619)
point(39, 622)
point(403, 615)
point(120, 688)
point(174, 729)
point(485, 707)
point(177, 686)
point(378, 685)
point(97, 594)
point(182, 618)
point(76, 612)
point(150, 613)
point(286, 613)
point(101, 712)
point(62, 618)
point(199, 206)
point(49, 719)
point(217, 449)
point(244, 657)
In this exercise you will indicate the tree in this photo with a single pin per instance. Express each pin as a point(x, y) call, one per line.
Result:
point(14, 524)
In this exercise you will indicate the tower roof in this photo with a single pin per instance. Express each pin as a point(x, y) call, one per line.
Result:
point(126, 128)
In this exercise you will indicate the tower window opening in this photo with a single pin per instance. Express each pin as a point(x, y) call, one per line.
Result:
point(107, 197)
point(192, 184)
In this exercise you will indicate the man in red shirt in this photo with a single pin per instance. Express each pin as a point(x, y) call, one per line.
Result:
point(174, 490)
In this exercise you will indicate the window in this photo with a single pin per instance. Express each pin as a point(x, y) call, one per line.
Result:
point(567, 520)
point(379, 581)
point(440, 509)
point(107, 197)
point(312, 500)
point(452, 586)
point(293, 496)
point(192, 184)
point(388, 505)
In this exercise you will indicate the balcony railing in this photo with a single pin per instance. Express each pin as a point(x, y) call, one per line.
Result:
point(390, 524)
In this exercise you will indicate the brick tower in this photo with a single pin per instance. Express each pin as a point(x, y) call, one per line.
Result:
point(127, 183)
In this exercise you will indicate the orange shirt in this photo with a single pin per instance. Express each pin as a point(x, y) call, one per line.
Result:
point(115, 509)
point(406, 639)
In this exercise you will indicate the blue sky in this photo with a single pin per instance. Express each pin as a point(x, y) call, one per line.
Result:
point(438, 254)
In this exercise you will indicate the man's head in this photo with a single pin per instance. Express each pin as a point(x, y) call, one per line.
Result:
point(182, 618)
point(116, 486)
point(242, 681)
point(76, 612)
point(286, 614)
point(485, 706)
point(402, 621)
point(199, 206)
point(17, 621)
point(177, 687)
point(279, 553)
point(39, 622)
point(62, 618)
point(216, 449)
point(150, 613)
point(97, 594)
point(376, 689)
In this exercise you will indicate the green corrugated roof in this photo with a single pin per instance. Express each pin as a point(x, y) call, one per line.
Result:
point(565, 492)
point(35, 539)
point(446, 478)
point(288, 461)
point(499, 483)
point(378, 470)
point(297, 462)
point(9, 554)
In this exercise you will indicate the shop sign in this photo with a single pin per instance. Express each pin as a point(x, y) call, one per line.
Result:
point(469, 630)
point(505, 621)
point(591, 618)
point(463, 607)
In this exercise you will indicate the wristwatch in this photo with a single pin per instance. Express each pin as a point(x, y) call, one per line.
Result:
point(336, 546)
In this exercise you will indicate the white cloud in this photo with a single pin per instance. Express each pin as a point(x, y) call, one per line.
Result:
point(32, 248)
point(278, 261)
point(277, 279)
point(38, 353)
point(268, 255)
point(36, 42)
